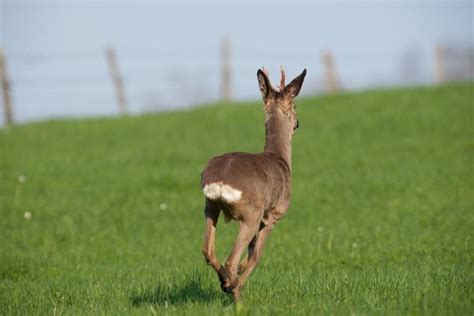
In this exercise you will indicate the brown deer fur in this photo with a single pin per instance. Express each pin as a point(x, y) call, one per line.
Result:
point(253, 189)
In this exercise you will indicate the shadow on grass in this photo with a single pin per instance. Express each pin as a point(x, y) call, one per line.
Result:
point(189, 290)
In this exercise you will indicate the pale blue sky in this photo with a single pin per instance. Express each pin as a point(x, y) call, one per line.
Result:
point(168, 51)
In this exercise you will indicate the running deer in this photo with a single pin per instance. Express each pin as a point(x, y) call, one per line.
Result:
point(253, 189)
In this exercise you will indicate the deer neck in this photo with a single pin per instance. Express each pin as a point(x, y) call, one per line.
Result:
point(278, 138)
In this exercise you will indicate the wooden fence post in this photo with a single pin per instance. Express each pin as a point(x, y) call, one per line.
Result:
point(439, 64)
point(330, 82)
point(117, 80)
point(7, 102)
point(226, 89)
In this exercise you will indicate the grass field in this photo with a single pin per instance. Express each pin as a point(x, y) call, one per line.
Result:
point(109, 219)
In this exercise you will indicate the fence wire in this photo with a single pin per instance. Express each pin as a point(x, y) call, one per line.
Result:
point(51, 84)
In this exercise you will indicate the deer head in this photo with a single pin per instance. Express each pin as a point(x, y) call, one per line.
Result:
point(278, 101)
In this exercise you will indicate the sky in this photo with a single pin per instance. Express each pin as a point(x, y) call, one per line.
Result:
point(169, 52)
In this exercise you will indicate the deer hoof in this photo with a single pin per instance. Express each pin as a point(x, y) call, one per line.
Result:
point(226, 287)
point(230, 288)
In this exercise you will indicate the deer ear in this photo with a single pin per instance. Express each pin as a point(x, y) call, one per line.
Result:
point(264, 84)
point(294, 87)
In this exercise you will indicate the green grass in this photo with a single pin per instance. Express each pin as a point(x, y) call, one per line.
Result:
point(381, 218)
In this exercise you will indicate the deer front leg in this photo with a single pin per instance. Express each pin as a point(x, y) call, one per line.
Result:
point(208, 248)
point(256, 254)
point(246, 232)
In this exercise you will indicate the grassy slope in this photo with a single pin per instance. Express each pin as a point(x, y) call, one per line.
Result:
point(381, 217)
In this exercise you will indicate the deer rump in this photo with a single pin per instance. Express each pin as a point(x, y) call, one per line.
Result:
point(244, 185)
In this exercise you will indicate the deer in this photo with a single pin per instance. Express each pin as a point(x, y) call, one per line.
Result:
point(253, 189)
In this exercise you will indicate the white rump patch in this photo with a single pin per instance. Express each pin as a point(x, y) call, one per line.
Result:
point(215, 191)
point(230, 194)
point(212, 191)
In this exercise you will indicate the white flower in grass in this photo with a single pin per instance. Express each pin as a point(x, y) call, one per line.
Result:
point(21, 179)
point(163, 206)
point(320, 229)
point(27, 215)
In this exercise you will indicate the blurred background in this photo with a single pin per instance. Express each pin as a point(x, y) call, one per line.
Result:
point(95, 58)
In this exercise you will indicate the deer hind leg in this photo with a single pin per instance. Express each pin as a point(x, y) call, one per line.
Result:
point(254, 258)
point(244, 262)
point(212, 212)
point(251, 247)
point(247, 231)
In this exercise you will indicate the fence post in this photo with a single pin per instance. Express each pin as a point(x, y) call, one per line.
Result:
point(330, 82)
point(117, 80)
point(439, 64)
point(7, 103)
point(226, 89)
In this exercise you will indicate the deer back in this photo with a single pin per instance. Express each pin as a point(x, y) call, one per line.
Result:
point(247, 181)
